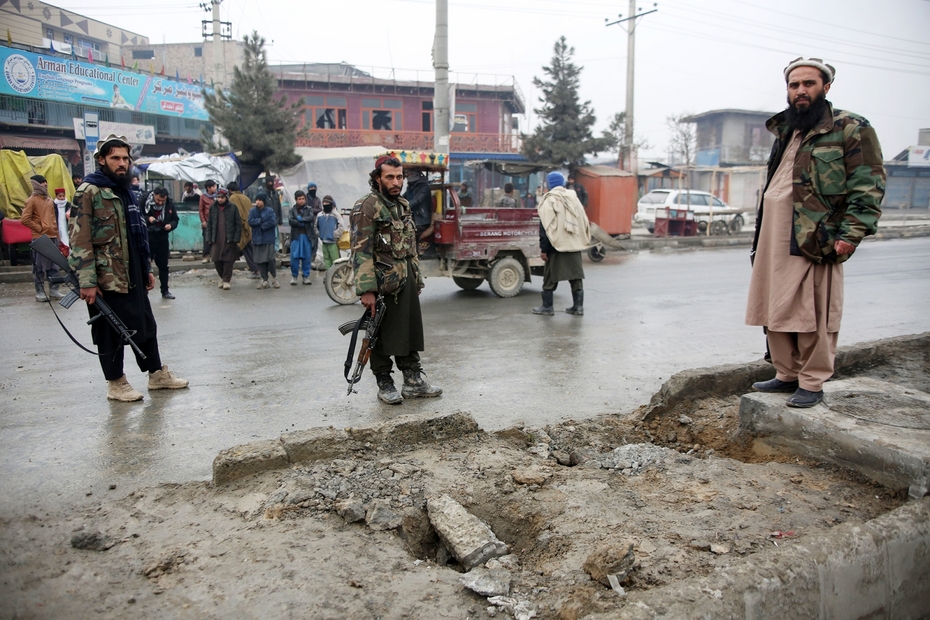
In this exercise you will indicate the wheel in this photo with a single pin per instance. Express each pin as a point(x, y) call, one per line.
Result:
point(718, 227)
point(506, 277)
point(702, 227)
point(597, 253)
point(340, 283)
point(736, 225)
point(467, 284)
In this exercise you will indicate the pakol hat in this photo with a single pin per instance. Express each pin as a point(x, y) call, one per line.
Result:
point(817, 63)
point(110, 139)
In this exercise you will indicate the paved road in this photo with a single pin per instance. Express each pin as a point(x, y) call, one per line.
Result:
point(265, 362)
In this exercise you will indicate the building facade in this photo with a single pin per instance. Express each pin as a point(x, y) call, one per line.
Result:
point(190, 61)
point(732, 137)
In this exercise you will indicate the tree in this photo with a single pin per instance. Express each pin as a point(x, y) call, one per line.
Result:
point(615, 134)
point(263, 128)
point(682, 145)
point(564, 135)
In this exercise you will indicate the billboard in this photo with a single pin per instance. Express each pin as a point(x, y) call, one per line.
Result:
point(57, 78)
point(919, 156)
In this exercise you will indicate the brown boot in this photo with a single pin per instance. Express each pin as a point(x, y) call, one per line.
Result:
point(120, 389)
point(164, 379)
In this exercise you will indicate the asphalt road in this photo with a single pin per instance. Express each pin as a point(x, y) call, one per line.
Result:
point(262, 363)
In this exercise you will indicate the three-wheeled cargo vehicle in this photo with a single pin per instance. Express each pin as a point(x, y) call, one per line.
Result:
point(470, 244)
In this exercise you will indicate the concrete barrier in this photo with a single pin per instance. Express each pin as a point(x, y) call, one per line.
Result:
point(324, 443)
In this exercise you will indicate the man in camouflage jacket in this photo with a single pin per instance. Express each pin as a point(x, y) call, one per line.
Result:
point(822, 196)
point(110, 255)
point(385, 262)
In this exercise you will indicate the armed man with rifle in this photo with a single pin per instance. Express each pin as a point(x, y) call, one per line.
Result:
point(384, 255)
point(110, 256)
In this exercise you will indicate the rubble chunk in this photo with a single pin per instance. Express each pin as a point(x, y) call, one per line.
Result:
point(467, 537)
point(611, 559)
point(493, 582)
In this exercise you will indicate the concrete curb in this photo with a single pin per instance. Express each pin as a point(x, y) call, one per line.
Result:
point(880, 569)
point(324, 443)
point(730, 379)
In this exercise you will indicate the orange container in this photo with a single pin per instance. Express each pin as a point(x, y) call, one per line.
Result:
point(612, 195)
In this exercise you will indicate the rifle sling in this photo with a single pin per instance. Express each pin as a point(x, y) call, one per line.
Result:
point(73, 339)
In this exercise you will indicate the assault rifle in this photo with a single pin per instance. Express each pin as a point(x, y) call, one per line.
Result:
point(371, 325)
point(49, 249)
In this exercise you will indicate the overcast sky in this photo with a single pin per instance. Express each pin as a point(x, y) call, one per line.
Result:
point(691, 55)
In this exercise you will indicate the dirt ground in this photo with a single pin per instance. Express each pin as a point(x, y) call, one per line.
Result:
point(689, 494)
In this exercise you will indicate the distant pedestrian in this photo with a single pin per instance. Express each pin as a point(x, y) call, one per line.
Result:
point(263, 223)
point(40, 216)
point(330, 227)
point(161, 217)
point(529, 201)
point(465, 196)
point(822, 197)
point(579, 190)
point(273, 202)
point(76, 180)
point(245, 240)
point(564, 233)
point(224, 230)
point(190, 196)
point(313, 201)
point(206, 199)
point(303, 234)
point(62, 213)
point(508, 200)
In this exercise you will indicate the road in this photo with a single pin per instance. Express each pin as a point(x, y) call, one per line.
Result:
point(262, 363)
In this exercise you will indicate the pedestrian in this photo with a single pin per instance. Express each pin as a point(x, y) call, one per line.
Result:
point(245, 241)
point(40, 216)
point(529, 201)
point(224, 230)
point(385, 263)
point(420, 199)
point(206, 199)
point(263, 223)
point(162, 217)
point(329, 227)
point(303, 234)
point(76, 180)
point(190, 197)
point(564, 233)
point(508, 200)
point(273, 201)
point(465, 196)
point(105, 219)
point(313, 200)
point(579, 190)
point(823, 189)
point(62, 213)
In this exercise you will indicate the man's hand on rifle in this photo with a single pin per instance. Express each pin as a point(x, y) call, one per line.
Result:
point(368, 300)
point(90, 294)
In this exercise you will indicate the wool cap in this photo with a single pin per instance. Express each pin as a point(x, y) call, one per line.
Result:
point(817, 63)
point(261, 196)
point(328, 200)
point(38, 178)
point(311, 184)
point(555, 179)
point(222, 192)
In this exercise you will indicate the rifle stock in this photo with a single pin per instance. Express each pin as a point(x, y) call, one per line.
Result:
point(49, 249)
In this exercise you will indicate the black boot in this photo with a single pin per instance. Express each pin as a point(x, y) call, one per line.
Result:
point(546, 307)
point(415, 386)
point(40, 292)
point(387, 393)
point(577, 303)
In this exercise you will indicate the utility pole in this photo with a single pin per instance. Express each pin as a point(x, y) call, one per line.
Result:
point(627, 150)
point(220, 30)
point(441, 124)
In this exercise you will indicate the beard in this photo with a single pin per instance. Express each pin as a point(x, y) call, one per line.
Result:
point(122, 180)
point(806, 118)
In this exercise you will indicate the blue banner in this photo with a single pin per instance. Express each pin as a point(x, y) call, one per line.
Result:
point(58, 78)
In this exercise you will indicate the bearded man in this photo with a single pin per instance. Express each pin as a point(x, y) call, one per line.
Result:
point(822, 195)
point(384, 257)
point(110, 254)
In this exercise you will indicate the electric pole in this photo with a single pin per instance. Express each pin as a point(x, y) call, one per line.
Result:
point(220, 30)
point(441, 124)
point(627, 150)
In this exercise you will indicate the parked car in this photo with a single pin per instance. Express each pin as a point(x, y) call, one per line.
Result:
point(708, 210)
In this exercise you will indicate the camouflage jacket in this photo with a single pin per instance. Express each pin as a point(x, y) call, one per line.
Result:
point(99, 239)
point(838, 183)
point(383, 238)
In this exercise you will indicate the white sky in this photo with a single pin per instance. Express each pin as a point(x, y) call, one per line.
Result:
point(691, 56)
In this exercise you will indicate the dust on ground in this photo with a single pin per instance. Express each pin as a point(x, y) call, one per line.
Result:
point(690, 495)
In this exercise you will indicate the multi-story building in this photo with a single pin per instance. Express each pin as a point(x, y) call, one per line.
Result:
point(732, 137)
point(345, 106)
point(192, 61)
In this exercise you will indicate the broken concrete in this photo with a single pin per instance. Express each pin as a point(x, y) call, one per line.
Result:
point(874, 427)
point(611, 560)
point(466, 536)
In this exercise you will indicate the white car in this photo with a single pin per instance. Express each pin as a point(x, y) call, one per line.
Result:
point(705, 206)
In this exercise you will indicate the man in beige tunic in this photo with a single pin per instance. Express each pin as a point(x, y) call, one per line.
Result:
point(825, 184)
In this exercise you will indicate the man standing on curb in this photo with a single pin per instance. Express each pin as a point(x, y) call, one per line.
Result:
point(162, 218)
point(384, 256)
point(206, 200)
point(822, 195)
point(245, 241)
point(110, 254)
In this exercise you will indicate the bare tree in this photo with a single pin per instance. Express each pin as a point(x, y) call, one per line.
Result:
point(682, 144)
point(615, 134)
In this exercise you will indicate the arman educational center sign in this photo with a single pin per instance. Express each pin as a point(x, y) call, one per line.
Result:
point(57, 78)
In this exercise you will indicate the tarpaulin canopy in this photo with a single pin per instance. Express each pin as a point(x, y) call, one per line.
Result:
point(15, 185)
point(195, 168)
point(340, 172)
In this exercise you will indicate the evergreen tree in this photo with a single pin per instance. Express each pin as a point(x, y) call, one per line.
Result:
point(564, 135)
point(249, 117)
